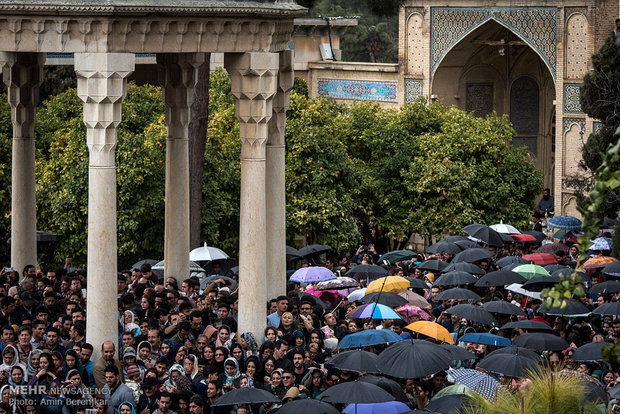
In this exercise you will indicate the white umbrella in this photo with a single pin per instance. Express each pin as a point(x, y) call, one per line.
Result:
point(207, 254)
point(357, 295)
point(518, 288)
point(505, 228)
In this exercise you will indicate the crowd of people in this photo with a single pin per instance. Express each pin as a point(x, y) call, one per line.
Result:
point(179, 349)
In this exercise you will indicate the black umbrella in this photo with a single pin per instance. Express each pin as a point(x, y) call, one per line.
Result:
point(538, 235)
point(433, 265)
point(511, 364)
point(417, 283)
point(538, 283)
point(464, 267)
point(449, 404)
point(444, 247)
point(313, 250)
point(500, 277)
point(527, 325)
point(413, 358)
point(467, 244)
point(458, 353)
point(385, 298)
point(366, 272)
point(503, 307)
point(568, 271)
point(356, 361)
point(246, 396)
point(141, 262)
point(615, 392)
point(355, 392)
point(453, 239)
point(292, 253)
point(553, 267)
point(458, 294)
point(507, 260)
point(572, 307)
point(388, 385)
point(611, 286)
point(204, 282)
point(609, 309)
point(541, 341)
point(524, 352)
point(590, 352)
point(313, 299)
point(454, 278)
point(612, 269)
point(485, 234)
point(473, 255)
point(472, 313)
point(307, 406)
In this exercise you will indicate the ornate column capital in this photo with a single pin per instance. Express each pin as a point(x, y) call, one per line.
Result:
point(281, 100)
point(102, 86)
point(253, 84)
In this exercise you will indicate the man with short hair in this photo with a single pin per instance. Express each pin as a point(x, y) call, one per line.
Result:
point(300, 369)
point(86, 351)
point(279, 353)
point(38, 331)
point(288, 382)
point(8, 336)
point(282, 306)
point(196, 405)
point(53, 341)
point(214, 391)
point(108, 351)
point(114, 391)
point(164, 402)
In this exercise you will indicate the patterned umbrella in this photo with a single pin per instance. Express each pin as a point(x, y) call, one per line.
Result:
point(409, 311)
point(479, 382)
point(541, 258)
point(528, 271)
point(312, 274)
point(337, 284)
point(564, 222)
point(375, 311)
point(601, 243)
point(552, 248)
point(598, 262)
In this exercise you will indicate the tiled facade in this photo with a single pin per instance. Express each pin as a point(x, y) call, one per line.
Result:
point(572, 105)
point(358, 90)
point(413, 89)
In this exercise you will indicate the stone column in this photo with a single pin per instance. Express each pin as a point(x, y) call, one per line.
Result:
point(275, 182)
point(253, 83)
point(22, 74)
point(102, 86)
point(178, 74)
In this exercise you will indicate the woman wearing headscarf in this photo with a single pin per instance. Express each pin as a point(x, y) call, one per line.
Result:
point(252, 371)
point(190, 367)
point(169, 350)
point(231, 375)
point(9, 359)
point(72, 362)
point(177, 382)
point(144, 354)
point(248, 343)
point(126, 408)
point(78, 395)
point(315, 382)
point(33, 362)
point(129, 323)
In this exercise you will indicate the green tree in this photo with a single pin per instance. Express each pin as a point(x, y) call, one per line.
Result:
point(62, 174)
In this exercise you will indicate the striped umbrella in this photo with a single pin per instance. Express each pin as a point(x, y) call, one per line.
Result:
point(375, 311)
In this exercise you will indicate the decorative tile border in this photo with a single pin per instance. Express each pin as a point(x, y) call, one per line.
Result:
point(413, 89)
point(569, 11)
point(359, 90)
point(567, 123)
point(572, 104)
point(537, 26)
point(410, 10)
point(597, 126)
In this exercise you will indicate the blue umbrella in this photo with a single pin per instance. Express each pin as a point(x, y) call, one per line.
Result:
point(485, 339)
point(564, 223)
point(390, 407)
point(479, 382)
point(312, 274)
point(375, 311)
point(369, 337)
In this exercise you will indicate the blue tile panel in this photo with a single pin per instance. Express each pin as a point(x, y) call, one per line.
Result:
point(413, 89)
point(572, 104)
point(359, 90)
point(537, 26)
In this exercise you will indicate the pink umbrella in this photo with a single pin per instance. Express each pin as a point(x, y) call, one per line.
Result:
point(332, 296)
point(408, 311)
